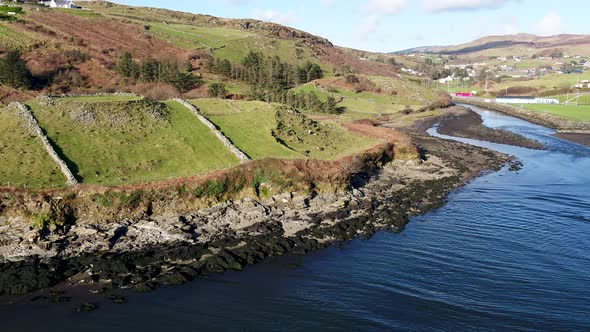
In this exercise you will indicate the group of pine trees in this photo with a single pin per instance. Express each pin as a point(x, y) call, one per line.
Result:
point(270, 73)
point(308, 100)
point(271, 79)
point(14, 71)
point(152, 70)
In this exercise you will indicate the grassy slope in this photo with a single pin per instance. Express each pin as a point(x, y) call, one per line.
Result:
point(372, 105)
point(570, 112)
point(229, 44)
point(318, 140)
point(248, 124)
point(551, 81)
point(190, 32)
point(9, 38)
point(140, 149)
point(23, 160)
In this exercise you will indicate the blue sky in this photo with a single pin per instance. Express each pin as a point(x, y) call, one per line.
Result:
point(390, 25)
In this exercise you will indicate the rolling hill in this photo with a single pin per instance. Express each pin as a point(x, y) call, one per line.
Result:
point(519, 44)
point(76, 51)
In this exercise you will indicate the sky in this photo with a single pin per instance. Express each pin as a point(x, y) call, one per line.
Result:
point(393, 25)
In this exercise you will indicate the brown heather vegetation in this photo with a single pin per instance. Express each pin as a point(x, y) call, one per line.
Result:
point(517, 90)
point(338, 58)
point(103, 38)
point(403, 147)
point(78, 55)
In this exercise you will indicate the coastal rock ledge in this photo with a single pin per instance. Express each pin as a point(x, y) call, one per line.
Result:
point(173, 249)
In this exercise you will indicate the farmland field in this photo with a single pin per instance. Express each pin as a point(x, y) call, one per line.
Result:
point(571, 112)
point(118, 142)
point(546, 82)
point(582, 99)
point(365, 104)
point(250, 125)
point(229, 44)
point(23, 160)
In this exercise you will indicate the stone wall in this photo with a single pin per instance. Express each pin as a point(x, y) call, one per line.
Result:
point(224, 140)
point(101, 94)
point(33, 127)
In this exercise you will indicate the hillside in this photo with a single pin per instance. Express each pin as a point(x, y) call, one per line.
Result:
point(520, 44)
point(23, 162)
point(76, 51)
point(103, 84)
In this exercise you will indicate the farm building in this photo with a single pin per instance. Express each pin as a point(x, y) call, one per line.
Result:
point(62, 4)
point(446, 80)
point(525, 100)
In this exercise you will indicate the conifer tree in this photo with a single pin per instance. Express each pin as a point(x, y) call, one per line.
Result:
point(14, 71)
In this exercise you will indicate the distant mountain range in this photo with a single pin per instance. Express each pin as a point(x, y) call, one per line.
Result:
point(521, 44)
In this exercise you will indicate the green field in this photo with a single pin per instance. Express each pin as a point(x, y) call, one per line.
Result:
point(582, 99)
point(23, 160)
point(9, 38)
point(248, 125)
point(119, 142)
point(8, 9)
point(368, 104)
point(78, 12)
point(229, 44)
point(545, 82)
point(571, 112)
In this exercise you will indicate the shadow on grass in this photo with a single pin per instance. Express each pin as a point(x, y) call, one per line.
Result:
point(70, 163)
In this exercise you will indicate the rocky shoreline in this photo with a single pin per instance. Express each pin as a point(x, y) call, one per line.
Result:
point(173, 249)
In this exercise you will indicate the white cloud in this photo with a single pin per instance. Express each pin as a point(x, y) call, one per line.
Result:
point(550, 24)
point(271, 15)
point(437, 6)
point(373, 11)
point(384, 7)
point(328, 3)
point(367, 27)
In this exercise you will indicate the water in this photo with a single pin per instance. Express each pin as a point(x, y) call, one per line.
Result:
point(510, 251)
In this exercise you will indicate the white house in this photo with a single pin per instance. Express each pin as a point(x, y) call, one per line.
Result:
point(62, 4)
point(445, 80)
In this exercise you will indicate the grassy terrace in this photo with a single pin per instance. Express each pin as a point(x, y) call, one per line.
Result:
point(570, 112)
point(129, 141)
point(367, 104)
point(23, 160)
point(229, 44)
point(116, 140)
point(250, 125)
